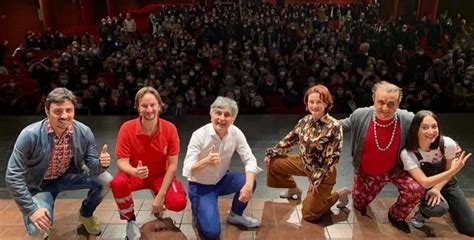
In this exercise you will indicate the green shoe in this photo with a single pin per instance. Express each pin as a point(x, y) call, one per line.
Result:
point(90, 224)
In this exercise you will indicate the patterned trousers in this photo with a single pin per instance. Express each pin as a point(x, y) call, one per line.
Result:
point(366, 188)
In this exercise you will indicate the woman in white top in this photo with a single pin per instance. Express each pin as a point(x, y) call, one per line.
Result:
point(431, 160)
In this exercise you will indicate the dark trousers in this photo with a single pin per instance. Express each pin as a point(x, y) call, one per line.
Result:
point(459, 209)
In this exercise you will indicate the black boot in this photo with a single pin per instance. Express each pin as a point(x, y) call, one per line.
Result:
point(363, 211)
point(400, 224)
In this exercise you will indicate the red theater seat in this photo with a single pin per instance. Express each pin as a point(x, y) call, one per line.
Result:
point(274, 101)
point(4, 79)
point(29, 86)
point(109, 78)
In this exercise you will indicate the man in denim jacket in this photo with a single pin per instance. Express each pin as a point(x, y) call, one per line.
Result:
point(54, 155)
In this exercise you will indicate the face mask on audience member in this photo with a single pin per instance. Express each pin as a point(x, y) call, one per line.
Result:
point(84, 81)
point(11, 84)
point(63, 81)
point(214, 74)
point(252, 95)
point(184, 82)
point(152, 77)
point(102, 104)
point(101, 85)
point(192, 73)
point(139, 65)
point(289, 84)
point(257, 104)
point(203, 93)
point(79, 105)
point(140, 84)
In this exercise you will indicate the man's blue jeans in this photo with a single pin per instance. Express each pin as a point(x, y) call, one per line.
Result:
point(204, 202)
point(98, 188)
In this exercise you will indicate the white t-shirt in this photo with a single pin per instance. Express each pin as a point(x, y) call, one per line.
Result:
point(410, 161)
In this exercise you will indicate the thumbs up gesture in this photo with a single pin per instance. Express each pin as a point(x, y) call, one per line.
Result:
point(213, 157)
point(104, 157)
point(141, 171)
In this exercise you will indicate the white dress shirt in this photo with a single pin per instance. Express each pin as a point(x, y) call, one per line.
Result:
point(201, 144)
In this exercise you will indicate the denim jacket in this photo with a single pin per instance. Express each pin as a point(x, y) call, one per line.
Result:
point(31, 157)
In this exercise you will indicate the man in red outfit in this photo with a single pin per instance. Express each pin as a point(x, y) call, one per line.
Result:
point(378, 135)
point(147, 156)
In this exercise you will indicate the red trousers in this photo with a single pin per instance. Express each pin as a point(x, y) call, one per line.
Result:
point(123, 185)
point(366, 188)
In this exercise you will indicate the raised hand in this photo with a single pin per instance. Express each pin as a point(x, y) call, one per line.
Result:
point(141, 171)
point(458, 163)
point(213, 157)
point(104, 157)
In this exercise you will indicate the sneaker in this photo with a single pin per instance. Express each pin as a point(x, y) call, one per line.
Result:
point(90, 224)
point(343, 197)
point(243, 220)
point(418, 221)
point(292, 193)
point(43, 236)
point(133, 231)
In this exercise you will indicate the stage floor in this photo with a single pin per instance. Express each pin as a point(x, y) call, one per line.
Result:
point(280, 218)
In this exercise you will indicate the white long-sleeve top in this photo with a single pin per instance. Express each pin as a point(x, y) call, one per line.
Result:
point(201, 144)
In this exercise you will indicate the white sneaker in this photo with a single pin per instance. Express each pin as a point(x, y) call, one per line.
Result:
point(418, 221)
point(243, 220)
point(292, 193)
point(343, 197)
point(133, 231)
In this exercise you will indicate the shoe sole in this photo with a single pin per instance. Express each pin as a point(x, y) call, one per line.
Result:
point(416, 225)
point(91, 233)
point(294, 196)
point(240, 224)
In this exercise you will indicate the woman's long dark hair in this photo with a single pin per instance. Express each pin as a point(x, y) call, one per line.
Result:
point(413, 142)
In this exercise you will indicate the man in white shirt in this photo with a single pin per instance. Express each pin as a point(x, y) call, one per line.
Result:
point(207, 165)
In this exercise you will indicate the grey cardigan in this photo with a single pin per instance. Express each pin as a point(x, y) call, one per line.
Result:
point(358, 123)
